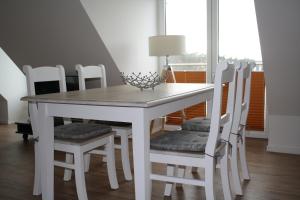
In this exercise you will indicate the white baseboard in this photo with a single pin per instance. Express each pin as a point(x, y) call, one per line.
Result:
point(283, 149)
point(257, 134)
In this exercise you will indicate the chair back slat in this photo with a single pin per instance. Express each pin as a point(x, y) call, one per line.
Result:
point(224, 119)
point(247, 70)
point(244, 106)
point(44, 74)
point(247, 92)
point(87, 72)
point(230, 103)
point(225, 73)
point(228, 74)
point(242, 96)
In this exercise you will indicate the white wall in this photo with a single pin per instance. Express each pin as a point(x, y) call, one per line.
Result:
point(53, 32)
point(279, 31)
point(124, 26)
point(284, 136)
point(12, 88)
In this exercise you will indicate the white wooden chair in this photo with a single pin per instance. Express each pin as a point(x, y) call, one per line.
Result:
point(159, 123)
point(123, 130)
point(200, 149)
point(237, 136)
point(74, 138)
point(170, 74)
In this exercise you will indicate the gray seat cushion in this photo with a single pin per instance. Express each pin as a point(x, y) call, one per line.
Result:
point(111, 123)
point(181, 140)
point(80, 131)
point(197, 124)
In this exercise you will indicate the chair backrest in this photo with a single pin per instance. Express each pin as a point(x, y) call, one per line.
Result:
point(44, 74)
point(157, 125)
point(225, 73)
point(242, 96)
point(170, 77)
point(86, 72)
point(169, 74)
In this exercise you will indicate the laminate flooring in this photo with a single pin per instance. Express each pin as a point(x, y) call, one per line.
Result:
point(273, 176)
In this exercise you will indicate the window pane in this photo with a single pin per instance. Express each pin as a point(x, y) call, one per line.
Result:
point(189, 18)
point(238, 34)
point(238, 40)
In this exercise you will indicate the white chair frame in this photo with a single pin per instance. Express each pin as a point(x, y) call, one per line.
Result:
point(237, 138)
point(87, 72)
point(180, 170)
point(159, 123)
point(57, 73)
point(225, 73)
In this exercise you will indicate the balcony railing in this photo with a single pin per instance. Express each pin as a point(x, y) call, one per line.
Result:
point(189, 66)
point(258, 67)
point(203, 66)
point(196, 73)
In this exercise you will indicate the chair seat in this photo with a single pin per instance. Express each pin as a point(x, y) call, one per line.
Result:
point(80, 131)
point(81, 142)
point(197, 124)
point(180, 140)
point(111, 123)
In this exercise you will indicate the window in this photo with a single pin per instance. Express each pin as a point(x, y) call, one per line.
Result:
point(239, 40)
point(189, 18)
point(238, 34)
point(216, 30)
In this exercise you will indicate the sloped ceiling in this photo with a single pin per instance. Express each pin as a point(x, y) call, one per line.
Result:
point(279, 31)
point(52, 32)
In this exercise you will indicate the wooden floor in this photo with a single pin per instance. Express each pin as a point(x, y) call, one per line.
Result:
point(273, 176)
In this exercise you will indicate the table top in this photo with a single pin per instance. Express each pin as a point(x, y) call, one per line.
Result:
point(125, 95)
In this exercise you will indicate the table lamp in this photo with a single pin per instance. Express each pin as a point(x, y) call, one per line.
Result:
point(166, 45)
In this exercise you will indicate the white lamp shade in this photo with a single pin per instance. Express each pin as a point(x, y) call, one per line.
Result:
point(166, 45)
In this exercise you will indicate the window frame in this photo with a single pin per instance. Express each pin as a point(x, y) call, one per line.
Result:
point(212, 43)
point(212, 34)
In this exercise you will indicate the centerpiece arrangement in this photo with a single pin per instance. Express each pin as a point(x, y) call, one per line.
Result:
point(141, 81)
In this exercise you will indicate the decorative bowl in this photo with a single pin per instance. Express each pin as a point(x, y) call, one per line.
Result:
point(141, 81)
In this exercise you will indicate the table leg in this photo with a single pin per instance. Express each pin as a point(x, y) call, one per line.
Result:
point(34, 123)
point(46, 149)
point(141, 160)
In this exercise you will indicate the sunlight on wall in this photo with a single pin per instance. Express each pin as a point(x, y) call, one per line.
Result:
point(12, 88)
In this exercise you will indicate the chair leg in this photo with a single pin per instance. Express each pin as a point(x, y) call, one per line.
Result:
point(87, 160)
point(68, 172)
point(180, 170)
point(243, 160)
point(209, 179)
point(234, 168)
point(169, 186)
point(225, 176)
point(111, 166)
point(79, 175)
point(37, 190)
point(125, 157)
point(194, 170)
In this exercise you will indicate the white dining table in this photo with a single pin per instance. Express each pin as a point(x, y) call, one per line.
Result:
point(117, 103)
